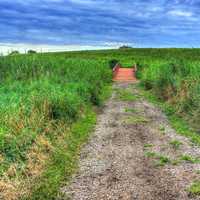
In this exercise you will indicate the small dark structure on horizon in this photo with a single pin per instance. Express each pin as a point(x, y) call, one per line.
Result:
point(125, 47)
point(31, 51)
point(13, 53)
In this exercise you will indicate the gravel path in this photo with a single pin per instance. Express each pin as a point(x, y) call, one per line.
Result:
point(118, 163)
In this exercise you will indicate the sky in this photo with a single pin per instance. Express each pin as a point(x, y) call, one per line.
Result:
point(57, 25)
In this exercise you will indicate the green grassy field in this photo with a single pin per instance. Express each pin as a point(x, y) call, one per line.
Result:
point(47, 108)
point(173, 75)
point(42, 97)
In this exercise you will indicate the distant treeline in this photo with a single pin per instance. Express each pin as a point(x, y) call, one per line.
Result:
point(15, 52)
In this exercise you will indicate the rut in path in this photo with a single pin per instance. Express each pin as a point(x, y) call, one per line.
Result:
point(114, 164)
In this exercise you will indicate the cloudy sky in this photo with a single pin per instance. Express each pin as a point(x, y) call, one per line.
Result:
point(89, 24)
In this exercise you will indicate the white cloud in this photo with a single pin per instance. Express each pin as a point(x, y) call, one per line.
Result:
point(84, 2)
point(180, 13)
point(118, 44)
point(6, 48)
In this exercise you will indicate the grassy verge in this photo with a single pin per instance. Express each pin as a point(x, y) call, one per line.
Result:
point(63, 162)
point(42, 98)
point(178, 123)
point(64, 159)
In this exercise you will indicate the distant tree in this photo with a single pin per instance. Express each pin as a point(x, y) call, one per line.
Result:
point(31, 51)
point(125, 47)
point(13, 53)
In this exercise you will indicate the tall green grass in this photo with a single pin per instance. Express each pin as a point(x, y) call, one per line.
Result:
point(177, 82)
point(40, 95)
point(43, 96)
point(55, 89)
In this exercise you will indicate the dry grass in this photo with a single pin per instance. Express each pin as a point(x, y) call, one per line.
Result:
point(9, 190)
point(16, 184)
point(1, 158)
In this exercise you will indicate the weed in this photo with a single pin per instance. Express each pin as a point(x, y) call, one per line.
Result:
point(175, 144)
point(126, 95)
point(160, 160)
point(190, 159)
point(194, 189)
point(150, 154)
point(175, 162)
point(130, 110)
point(162, 129)
point(198, 172)
point(148, 145)
point(136, 120)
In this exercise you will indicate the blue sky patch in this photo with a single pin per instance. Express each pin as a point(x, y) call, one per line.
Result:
point(140, 23)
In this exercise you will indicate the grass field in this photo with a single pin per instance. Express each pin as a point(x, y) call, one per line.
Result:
point(42, 99)
point(173, 75)
point(47, 108)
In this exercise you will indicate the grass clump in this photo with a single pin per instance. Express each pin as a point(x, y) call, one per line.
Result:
point(130, 110)
point(150, 154)
point(176, 144)
point(160, 160)
point(198, 171)
point(126, 95)
point(190, 159)
point(136, 120)
point(175, 162)
point(162, 129)
point(148, 145)
point(194, 189)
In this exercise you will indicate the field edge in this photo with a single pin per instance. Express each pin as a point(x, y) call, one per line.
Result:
point(177, 122)
point(64, 160)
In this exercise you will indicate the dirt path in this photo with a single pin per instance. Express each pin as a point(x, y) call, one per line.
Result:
point(119, 163)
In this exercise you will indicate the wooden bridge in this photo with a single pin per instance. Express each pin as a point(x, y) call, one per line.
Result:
point(121, 74)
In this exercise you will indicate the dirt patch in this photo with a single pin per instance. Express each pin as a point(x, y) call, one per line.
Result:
point(114, 164)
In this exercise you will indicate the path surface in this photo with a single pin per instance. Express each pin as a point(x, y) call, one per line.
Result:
point(114, 164)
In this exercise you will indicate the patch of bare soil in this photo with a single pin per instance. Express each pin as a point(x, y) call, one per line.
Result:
point(134, 154)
